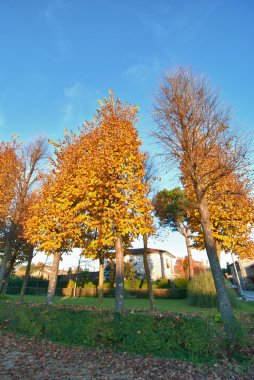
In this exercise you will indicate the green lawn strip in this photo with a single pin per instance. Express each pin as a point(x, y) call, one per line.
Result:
point(161, 304)
point(139, 303)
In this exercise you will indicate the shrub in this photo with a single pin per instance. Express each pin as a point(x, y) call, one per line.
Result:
point(178, 294)
point(249, 287)
point(182, 283)
point(202, 293)
point(17, 281)
point(71, 284)
point(107, 285)
point(130, 284)
point(89, 285)
point(163, 283)
point(140, 333)
point(141, 284)
point(4, 297)
point(135, 284)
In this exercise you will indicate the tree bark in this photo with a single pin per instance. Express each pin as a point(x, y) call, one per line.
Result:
point(101, 281)
point(148, 274)
point(119, 294)
point(8, 273)
point(76, 278)
point(6, 255)
point(237, 276)
point(162, 266)
point(222, 295)
point(217, 245)
point(27, 273)
point(53, 278)
point(190, 262)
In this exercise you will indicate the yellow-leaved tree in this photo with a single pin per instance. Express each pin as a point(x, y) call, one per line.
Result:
point(231, 212)
point(112, 190)
point(51, 226)
point(95, 195)
point(26, 163)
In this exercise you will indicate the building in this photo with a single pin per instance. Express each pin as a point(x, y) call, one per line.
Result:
point(39, 270)
point(181, 269)
point(245, 269)
point(161, 262)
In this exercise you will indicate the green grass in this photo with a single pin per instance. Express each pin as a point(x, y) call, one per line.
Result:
point(180, 306)
point(161, 304)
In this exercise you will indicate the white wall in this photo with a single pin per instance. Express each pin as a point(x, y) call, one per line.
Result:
point(154, 262)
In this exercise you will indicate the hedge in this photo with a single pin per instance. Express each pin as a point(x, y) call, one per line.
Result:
point(155, 334)
point(93, 292)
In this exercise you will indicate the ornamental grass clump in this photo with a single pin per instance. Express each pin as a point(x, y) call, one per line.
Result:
point(202, 293)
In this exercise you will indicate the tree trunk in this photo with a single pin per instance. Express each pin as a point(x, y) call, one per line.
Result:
point(217, 246)
point(162, 266)
point(222, 295)
point(53, 278)
point(101, 281)
point(6, 256)
point(190, 263)
point(8, 273)
point(119, 294)
point(77, 277)
point(25, 279)
point(237, 276)
point(148, 275)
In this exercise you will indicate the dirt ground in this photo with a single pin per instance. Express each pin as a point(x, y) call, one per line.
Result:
point(23, 358)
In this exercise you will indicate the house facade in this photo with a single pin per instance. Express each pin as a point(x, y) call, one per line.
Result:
point(161, 262)
point(245, 270)
point(181, 269)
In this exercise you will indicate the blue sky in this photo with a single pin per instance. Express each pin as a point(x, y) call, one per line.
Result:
point(58, 57)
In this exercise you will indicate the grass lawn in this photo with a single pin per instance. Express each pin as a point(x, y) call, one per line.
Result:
point(180, 306)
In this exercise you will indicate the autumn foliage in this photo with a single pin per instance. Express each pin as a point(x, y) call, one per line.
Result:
point(9, 171)
point(95, 192)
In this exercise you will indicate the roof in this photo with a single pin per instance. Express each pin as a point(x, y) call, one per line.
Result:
point(140, 251)
point(246, 263)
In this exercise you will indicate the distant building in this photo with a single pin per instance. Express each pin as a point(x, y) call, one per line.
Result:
point(181, 269)
point(245, 269)
point(38, 270)
point(161, 262)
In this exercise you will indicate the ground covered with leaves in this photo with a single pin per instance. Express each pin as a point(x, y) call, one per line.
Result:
point(23, 358)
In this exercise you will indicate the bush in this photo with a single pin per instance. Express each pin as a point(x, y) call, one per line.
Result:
point(71, 284)
point(202, 293)
point(16, 282)
point(141, 283)
point(4, 297)
point(249, 287)
point(135, 284)
point(146, 334)
point(178, 294)
point(163, 283)
point(107, 285)
point(182, 283)
point(89, 285)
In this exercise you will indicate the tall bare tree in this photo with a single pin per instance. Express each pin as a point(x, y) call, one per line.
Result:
point(171, 207)
point(195, 130)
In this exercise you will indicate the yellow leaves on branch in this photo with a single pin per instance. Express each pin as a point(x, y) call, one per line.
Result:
point(96, 187)
point(9, 171)
point(231, 209)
